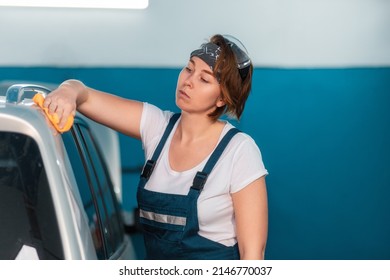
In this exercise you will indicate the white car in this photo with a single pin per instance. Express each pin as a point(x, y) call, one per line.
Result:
point(59, 193)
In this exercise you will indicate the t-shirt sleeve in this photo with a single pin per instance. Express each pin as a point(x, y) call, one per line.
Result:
point(248, 165)
point(153, 124)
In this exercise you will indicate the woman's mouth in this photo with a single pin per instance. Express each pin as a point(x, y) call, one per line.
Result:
point(183, 94)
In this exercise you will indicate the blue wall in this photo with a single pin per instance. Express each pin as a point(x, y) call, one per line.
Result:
point(325, 139)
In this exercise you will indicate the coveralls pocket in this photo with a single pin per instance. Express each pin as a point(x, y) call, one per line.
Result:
point(164, 224)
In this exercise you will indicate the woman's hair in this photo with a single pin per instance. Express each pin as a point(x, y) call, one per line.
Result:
point(235, 83)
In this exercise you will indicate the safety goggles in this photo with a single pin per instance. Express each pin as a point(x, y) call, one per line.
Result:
point(209, 53)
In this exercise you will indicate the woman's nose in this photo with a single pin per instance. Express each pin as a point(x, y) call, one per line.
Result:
point(188, 81)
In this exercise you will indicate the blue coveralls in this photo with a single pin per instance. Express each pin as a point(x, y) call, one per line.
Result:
point(170, 221)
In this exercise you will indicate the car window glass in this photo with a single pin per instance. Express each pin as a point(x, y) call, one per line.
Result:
point(85, 181)
point(29, 227)
point(112, 222)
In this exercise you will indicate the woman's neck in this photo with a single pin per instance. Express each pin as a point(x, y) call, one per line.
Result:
point(192, 129)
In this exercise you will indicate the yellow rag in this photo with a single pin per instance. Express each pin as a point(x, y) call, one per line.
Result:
point(38, 99)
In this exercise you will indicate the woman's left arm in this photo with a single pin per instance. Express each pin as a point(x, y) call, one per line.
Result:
point(251, 213)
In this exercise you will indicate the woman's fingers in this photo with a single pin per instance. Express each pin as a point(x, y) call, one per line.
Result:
point(63, 116)
point(52, 108)
point(60, 105)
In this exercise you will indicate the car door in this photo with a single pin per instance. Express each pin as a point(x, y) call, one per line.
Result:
point(96, 190)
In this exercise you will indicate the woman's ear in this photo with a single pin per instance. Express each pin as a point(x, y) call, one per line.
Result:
point(220, 102)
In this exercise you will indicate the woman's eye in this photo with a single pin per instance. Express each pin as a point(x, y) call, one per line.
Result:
point(204, 80)
point(188, 69)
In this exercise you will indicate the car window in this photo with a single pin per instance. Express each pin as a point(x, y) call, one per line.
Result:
point(85, 182)
point(29, 228)
point(96, 190)
point(111, 220)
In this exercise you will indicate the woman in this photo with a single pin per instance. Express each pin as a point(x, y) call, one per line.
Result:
point(202, 193)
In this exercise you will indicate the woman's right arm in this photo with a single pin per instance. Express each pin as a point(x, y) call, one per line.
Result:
point(118, 113)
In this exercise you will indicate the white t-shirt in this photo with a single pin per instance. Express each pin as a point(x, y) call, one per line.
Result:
point(239, 165)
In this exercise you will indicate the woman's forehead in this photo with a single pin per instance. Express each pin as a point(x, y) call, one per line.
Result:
point(200, 63)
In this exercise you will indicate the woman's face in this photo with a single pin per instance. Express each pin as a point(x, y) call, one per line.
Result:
point(198, 91)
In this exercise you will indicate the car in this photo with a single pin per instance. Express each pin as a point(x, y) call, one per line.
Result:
point(60, 193)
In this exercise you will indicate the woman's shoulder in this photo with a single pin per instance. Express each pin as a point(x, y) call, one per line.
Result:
point(241, 137)
point(154, 117)
point(154, 112)
point(153, 121)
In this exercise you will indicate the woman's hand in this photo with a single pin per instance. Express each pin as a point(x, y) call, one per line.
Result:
point(63, 100)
